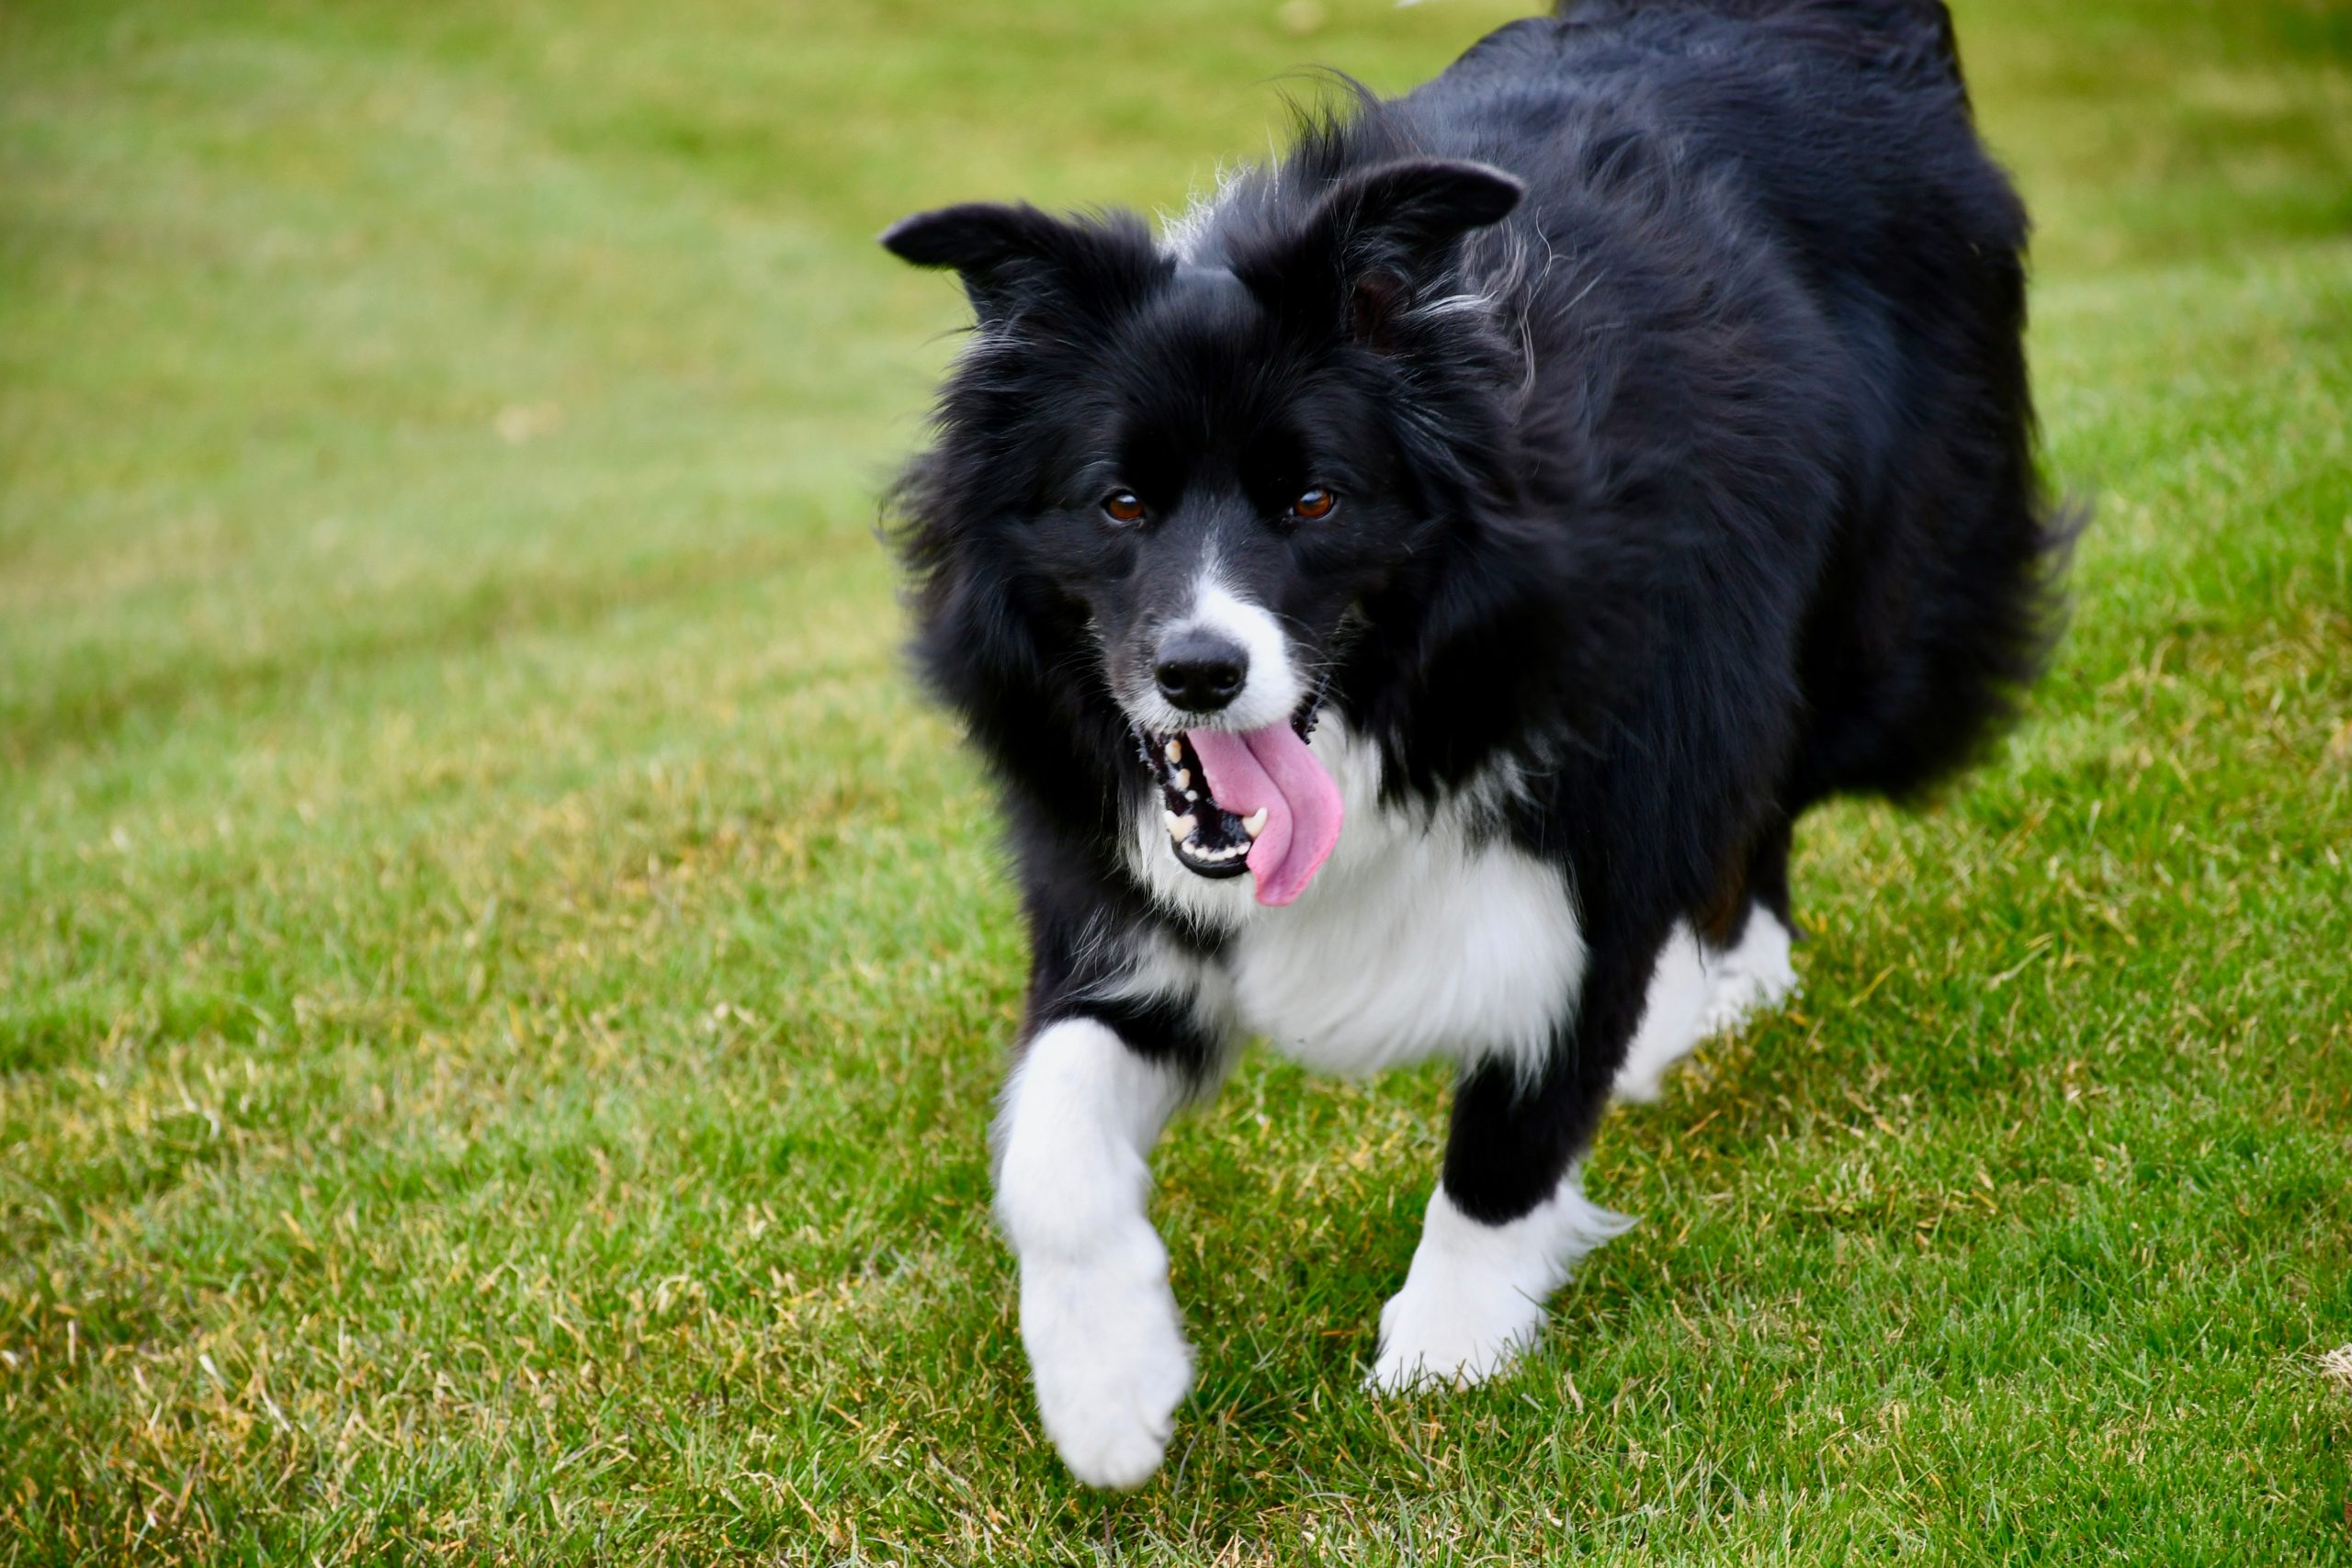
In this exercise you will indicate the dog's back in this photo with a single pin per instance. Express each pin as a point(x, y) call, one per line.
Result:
point(1837, 134)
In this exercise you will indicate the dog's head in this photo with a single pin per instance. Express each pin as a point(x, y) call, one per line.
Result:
point(1205, 466)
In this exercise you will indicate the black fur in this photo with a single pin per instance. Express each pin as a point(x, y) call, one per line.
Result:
point(1668, 358)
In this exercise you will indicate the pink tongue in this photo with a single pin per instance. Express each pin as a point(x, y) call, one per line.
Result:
point(1273, 768)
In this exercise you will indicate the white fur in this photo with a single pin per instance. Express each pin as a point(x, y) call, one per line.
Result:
point(1106, 1344)
point(1474, 1298)
point(1423, 935)
point(1158, 968)
point(1755, 975)
point(1181, 235)
point(1697, 992)
point(1673, 1019)
point(1274, 689)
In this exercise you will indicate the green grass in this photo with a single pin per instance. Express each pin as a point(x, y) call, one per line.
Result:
point(501, 981)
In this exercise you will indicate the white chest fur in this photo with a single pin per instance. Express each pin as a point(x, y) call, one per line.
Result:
point(1418, 939)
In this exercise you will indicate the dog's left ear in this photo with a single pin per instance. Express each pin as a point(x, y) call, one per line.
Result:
point(1379, 233)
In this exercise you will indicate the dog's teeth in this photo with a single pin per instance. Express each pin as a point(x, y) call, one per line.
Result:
point(1175, 751)
point(1181, 827)
point(1255, 823)
point(1184, 781)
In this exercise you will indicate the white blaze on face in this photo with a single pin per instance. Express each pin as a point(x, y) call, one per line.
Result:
point(1274, 690)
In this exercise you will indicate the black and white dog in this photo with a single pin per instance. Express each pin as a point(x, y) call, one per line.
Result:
point(1406, 605)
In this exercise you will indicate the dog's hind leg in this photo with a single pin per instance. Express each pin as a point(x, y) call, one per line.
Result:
point(1749, 961)
point(1674, 1017)
point(1710, 984)
point(1754, 976)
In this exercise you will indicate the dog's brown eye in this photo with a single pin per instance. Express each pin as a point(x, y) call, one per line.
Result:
point(1123, 506)
point(1314, 504)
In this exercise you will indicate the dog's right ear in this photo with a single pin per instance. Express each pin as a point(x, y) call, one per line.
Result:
point(1006, 255)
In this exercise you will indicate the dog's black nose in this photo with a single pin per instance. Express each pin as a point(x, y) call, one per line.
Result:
point(1200, 670)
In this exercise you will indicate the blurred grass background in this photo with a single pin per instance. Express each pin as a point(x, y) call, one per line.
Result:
point(500, 981)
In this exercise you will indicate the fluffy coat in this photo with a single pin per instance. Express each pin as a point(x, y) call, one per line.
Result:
point(1661, 367)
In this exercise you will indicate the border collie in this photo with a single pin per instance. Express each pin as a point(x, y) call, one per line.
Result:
point(1406, 605)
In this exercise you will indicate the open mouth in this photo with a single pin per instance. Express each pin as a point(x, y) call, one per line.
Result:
point(1209, 839)
point(1251, 800)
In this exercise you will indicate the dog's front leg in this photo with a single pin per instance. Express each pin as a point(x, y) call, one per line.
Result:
point(1510, 1220)
point(1106, 1345)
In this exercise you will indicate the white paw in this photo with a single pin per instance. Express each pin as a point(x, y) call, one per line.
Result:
point(1755, 977)
point(1639, 1087)
point(1450, 1333)
point(1474, 1298)
point(1106, 1348)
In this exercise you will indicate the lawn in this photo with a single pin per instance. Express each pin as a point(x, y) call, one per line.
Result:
point(502, 980)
